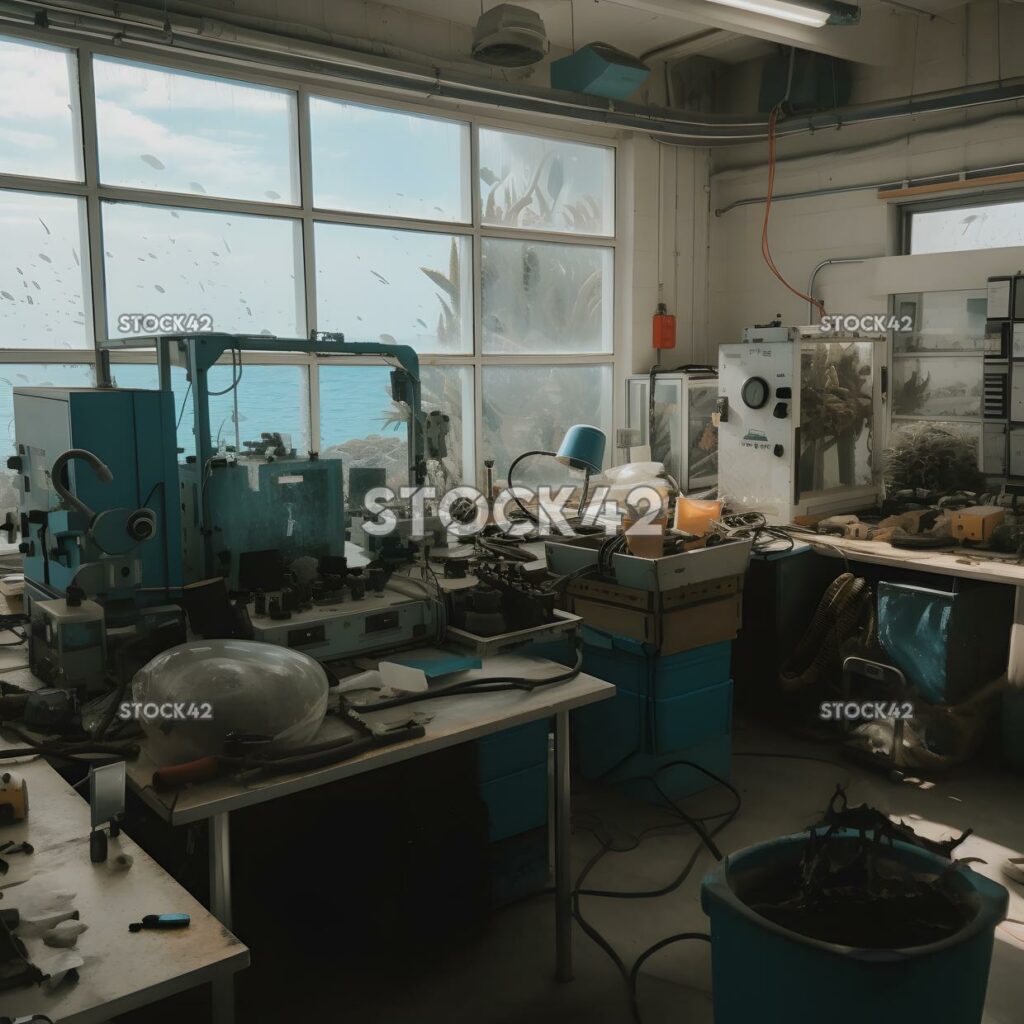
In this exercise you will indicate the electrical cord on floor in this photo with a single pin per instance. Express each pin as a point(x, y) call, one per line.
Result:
point(631, 975)
point(488, 684)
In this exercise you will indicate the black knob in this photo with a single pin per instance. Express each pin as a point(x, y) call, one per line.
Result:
point(778, 451)
point(14, 462)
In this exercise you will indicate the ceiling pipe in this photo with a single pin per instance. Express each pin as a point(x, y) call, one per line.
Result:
point(144, 27)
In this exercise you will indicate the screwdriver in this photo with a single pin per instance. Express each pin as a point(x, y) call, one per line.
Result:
point(160, 921)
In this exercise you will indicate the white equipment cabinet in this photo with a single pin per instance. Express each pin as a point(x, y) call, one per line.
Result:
point(800, 422)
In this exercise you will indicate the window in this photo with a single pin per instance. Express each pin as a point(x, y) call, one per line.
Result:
point(544, 298)
point(410, 287)
point(270, 398)
point(44, 274)
point(531, 407)
point(527, 181)
point(964, 228)
point(171, 131)
point(388, 162)
point(242, 271)
point(360, 423)
point(489, 251)
point(40, 123)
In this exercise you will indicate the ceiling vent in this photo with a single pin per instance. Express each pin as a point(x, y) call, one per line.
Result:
point(510, 37)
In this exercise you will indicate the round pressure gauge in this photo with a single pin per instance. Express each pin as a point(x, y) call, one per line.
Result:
point(755, 392)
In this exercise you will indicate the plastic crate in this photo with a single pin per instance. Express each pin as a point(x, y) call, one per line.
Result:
point(631, 665)
point(608, 733)
point(512, 750)
point(516, 803)
point(691, 718)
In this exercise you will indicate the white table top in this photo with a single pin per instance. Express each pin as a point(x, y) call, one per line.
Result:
point(453, 720)
point(122, 971)
point(966, 563)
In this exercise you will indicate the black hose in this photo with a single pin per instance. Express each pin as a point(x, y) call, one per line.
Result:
point(834, 621)
point(491, 684)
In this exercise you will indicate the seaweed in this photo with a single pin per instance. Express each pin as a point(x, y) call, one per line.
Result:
point(854, 891)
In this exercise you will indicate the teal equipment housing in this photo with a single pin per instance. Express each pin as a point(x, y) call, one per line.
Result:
point(599, 69)
point(93, 540)
point(293, 506)
point(233, 503)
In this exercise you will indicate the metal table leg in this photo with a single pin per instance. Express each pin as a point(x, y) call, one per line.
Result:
point(1015, 664)
point(563, 865)
point(220, 907)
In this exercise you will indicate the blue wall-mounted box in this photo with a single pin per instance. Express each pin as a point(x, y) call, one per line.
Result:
point(599, 70)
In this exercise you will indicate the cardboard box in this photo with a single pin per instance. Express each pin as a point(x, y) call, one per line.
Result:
point(977, 522)
point(646, 600)
point(672, 632)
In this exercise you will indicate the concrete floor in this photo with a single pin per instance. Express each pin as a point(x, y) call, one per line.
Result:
point(505, 974)
point(507, 977)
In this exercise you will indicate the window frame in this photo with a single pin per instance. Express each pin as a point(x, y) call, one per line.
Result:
point(95, 193)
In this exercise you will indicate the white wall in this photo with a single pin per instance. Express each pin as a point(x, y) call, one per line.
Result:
point(803, 232)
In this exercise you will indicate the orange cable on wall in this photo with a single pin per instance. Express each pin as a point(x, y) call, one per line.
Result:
point(766, 251)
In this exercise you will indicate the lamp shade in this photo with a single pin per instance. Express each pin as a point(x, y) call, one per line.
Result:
point(582, 448)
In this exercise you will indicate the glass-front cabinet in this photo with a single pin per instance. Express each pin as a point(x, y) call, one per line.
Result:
point(684, 437)
point(948, 370)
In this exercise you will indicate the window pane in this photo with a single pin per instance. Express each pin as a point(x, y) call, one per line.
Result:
point(545, 184)
point(360, 423)
point(243, 271)
point(991, 226)
point(23, 375)
point(376, 284)
point(40, 120)
point(44, 291)
point(546, 298)
point(388, 162)
point(179, 132)
point(274, 399)
point(531, 407)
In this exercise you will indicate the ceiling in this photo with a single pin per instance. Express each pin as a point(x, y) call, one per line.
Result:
point(641, 25)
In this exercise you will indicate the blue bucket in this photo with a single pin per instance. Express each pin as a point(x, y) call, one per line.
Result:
point(764, 973)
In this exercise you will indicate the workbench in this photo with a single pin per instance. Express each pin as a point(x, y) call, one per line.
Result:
point(452, 720)
point(122, 970)
point(965, 563)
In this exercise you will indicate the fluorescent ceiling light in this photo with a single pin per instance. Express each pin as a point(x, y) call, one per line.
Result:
point(815, 15)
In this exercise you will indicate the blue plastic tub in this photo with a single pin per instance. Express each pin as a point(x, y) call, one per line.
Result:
point(763, 973)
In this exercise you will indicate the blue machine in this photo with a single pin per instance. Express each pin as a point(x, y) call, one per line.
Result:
point(99, 492)
point(235, 503)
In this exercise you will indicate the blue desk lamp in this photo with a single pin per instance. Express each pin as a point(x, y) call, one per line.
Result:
point(581, 448)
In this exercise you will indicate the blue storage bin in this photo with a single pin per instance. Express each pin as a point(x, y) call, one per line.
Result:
point(607, 733)
point(516, 803)
point(691, 718)
point(512, 750)
point(635, 666)
point(943, 982)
